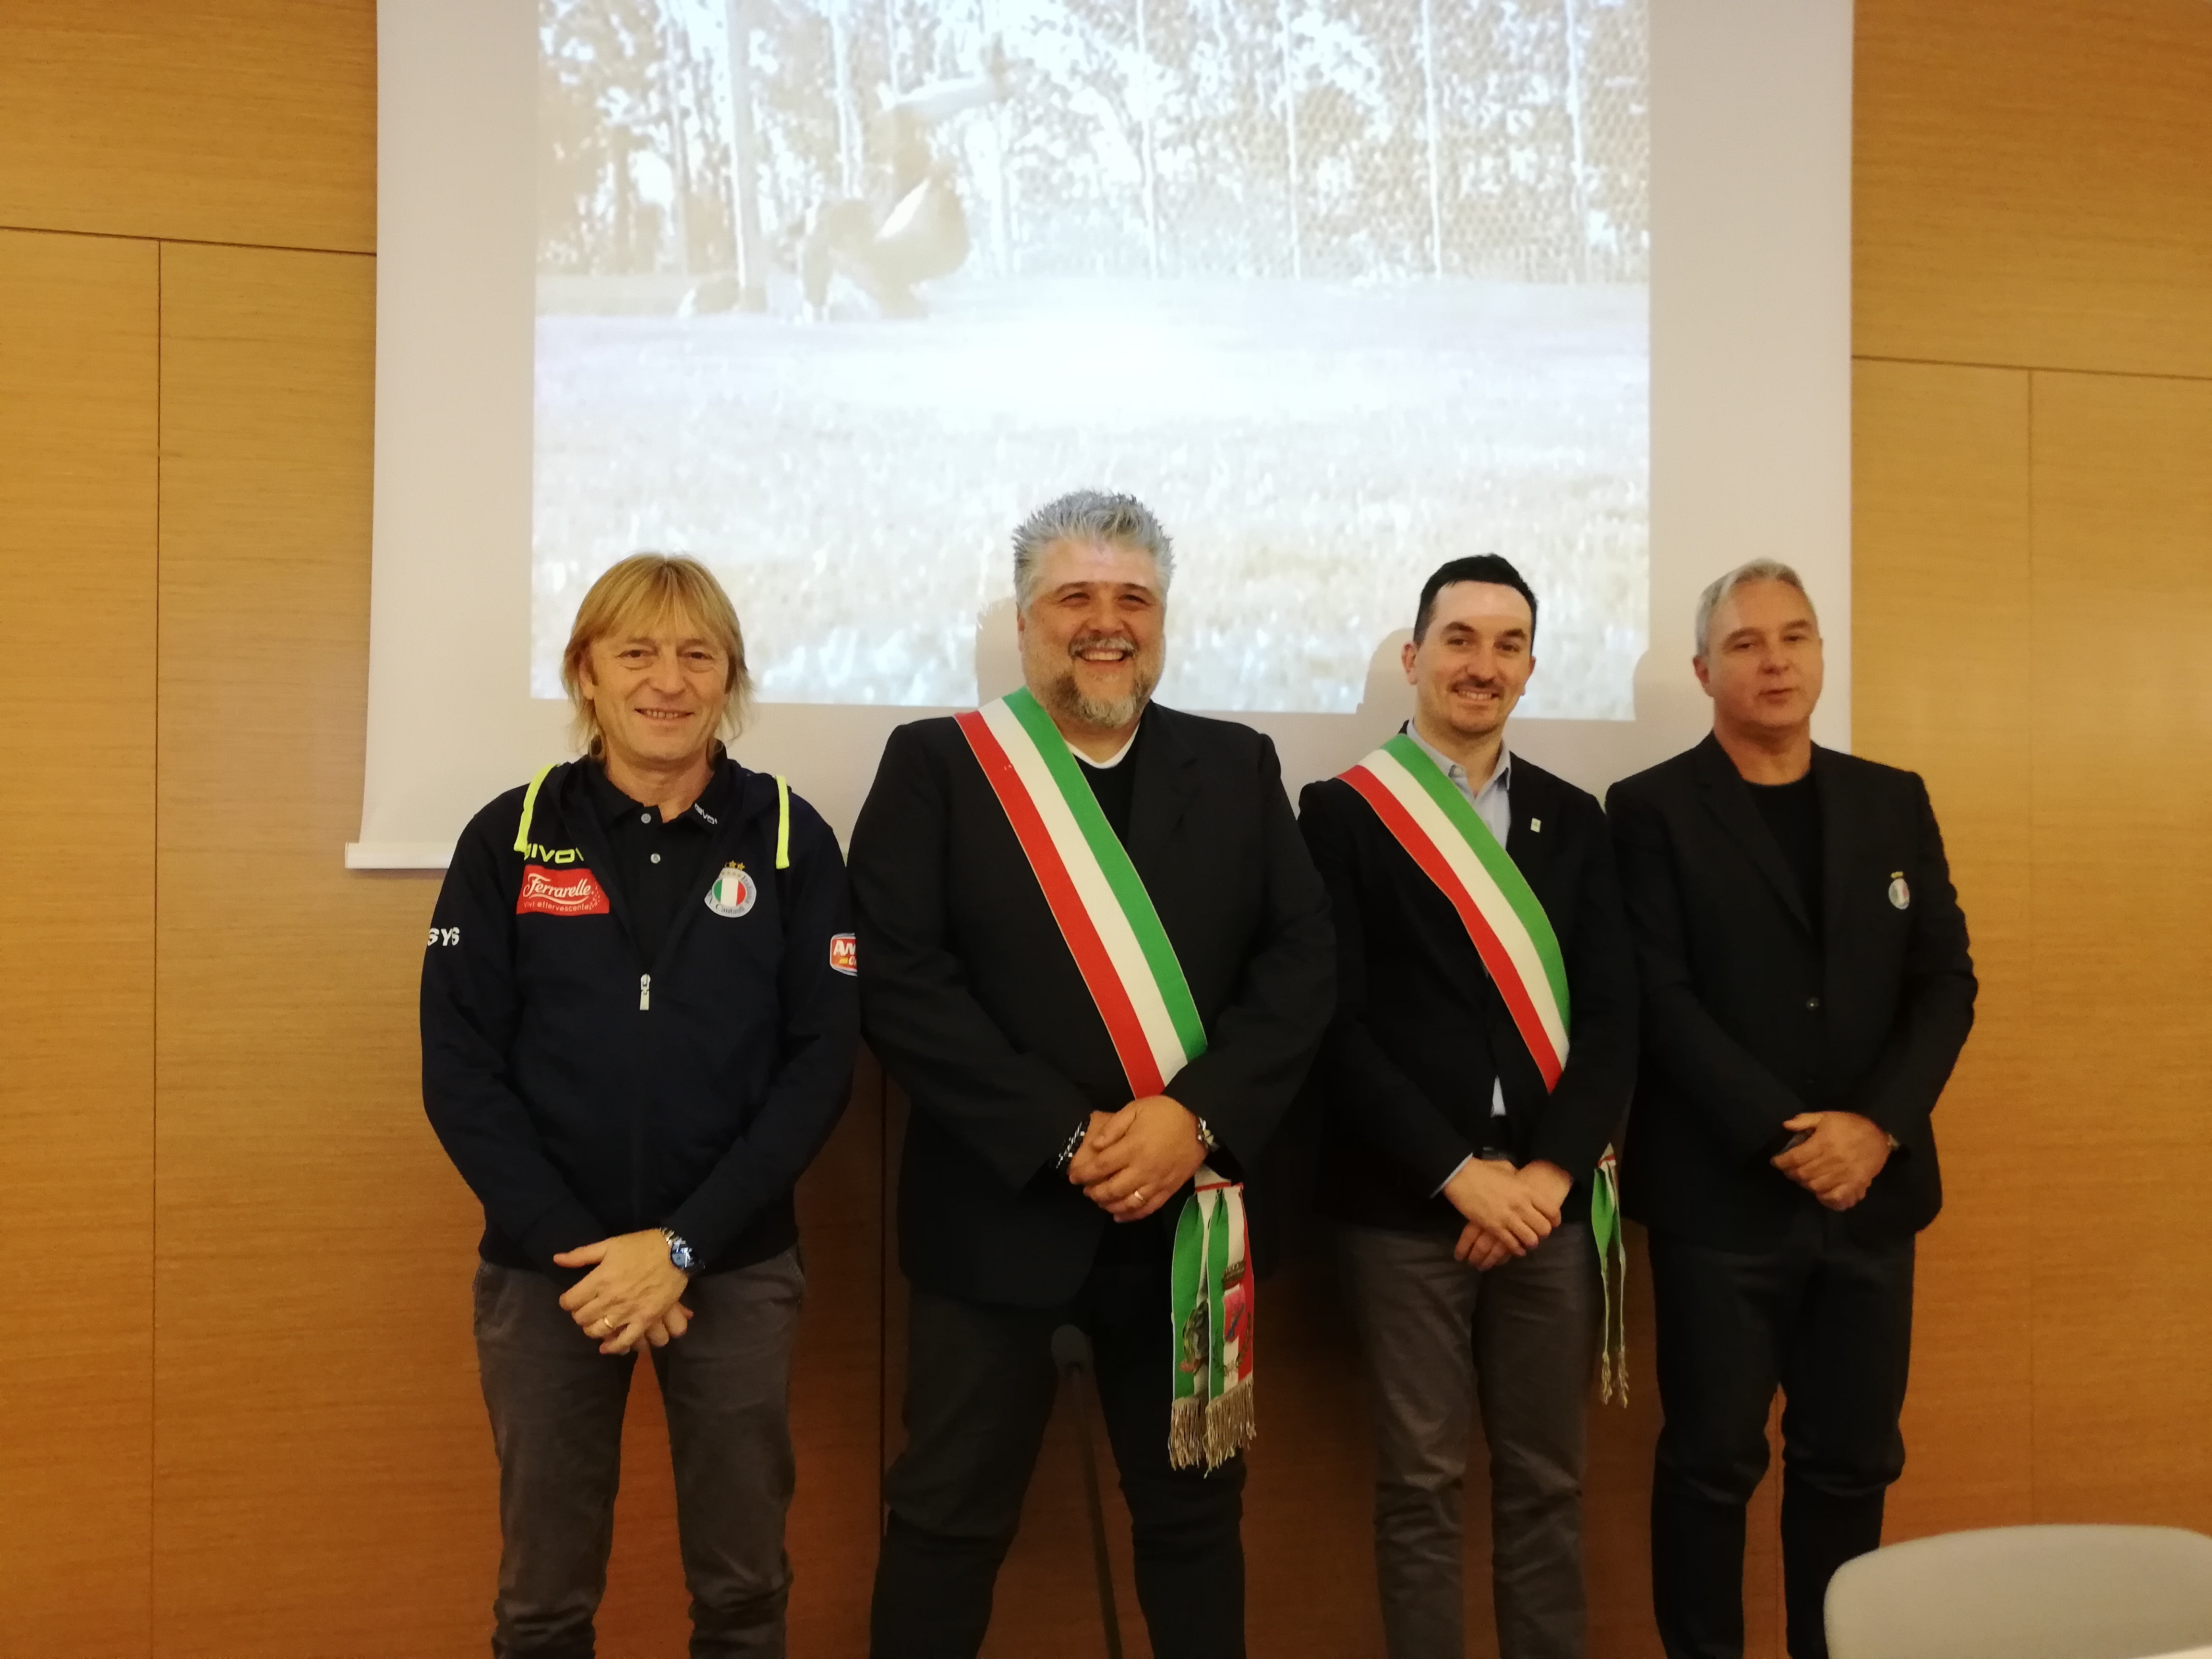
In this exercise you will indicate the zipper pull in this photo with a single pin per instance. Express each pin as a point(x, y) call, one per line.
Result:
point(644, 991)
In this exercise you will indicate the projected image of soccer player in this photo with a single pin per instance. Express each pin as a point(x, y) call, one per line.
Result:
point(1350, 291)
point(922, 232)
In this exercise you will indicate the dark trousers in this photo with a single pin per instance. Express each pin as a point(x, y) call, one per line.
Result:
point(1438, 1337)
point(556, 1416)
point(1830, 1323)
point(979, 1391)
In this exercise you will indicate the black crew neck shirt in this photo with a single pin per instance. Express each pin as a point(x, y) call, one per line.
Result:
point(1116, 785)
point(656, 861)
point(1792, 812)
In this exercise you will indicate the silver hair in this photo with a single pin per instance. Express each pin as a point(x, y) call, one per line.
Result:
point(1087, 515)
point(1759, 570)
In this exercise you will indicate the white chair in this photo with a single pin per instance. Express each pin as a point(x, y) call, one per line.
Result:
point(2025, 1593)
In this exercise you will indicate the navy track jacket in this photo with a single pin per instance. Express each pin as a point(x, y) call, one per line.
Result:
point(583, 1093)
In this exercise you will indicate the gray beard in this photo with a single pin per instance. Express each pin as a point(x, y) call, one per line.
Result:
point(1107, 713)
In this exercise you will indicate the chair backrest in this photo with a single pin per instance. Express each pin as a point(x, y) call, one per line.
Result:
point(2025, 1593)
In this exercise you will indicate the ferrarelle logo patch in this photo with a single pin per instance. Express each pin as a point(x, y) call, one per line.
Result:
point(559, 893)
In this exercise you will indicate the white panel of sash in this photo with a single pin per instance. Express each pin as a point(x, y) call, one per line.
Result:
point(1496, 909)
point(1091, 886)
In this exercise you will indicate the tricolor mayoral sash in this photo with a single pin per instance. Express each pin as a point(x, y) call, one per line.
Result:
point(1427, 815)
point(1129, 965)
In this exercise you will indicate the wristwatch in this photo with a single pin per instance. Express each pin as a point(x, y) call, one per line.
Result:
point(680, 1254)
point(1206, 1135)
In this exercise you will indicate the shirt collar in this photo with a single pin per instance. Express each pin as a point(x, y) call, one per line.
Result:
point(1501, 775)
point(613, 806)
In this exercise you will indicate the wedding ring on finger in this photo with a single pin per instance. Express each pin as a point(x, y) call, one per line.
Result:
point(1137, 1197)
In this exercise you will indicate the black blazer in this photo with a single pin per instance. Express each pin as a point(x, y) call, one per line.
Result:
point(1421, 1033)
point(970, 997)
point(1748, 1020)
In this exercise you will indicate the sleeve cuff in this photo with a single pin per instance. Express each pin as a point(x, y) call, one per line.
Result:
point(566, 1227)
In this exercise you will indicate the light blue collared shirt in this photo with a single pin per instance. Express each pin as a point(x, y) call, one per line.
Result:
point(1493, 805)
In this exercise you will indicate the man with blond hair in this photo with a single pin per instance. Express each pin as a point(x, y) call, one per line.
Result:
point(639, 1015)
point(1807, 990)
point(1098, 960)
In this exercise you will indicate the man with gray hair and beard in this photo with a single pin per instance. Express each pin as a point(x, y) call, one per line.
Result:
point(1095, 954)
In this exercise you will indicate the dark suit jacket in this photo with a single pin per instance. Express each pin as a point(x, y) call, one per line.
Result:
point(970, 997)
point(1748, 1019)
point(1421, 1032)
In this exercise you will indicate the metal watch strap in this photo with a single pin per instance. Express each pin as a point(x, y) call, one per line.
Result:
point(681, 1255)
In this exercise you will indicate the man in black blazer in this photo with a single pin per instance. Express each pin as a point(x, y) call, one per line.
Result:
point(1034, 1191)
point(1807, 990)
point(1460, 1181)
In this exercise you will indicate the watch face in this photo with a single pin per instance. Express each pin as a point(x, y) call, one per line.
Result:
point(679, 1255)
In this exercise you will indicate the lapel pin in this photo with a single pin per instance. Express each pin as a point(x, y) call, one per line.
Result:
point(1536, 826)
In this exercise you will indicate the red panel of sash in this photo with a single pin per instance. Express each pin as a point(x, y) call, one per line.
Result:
point(1504, 972)
point(1105, 985)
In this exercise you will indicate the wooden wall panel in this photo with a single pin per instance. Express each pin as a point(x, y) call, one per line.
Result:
point(323, 1477)
point(2122, 1044)
point(838, 1378)
point(206, 120)
point(78, 356)
point(2030, 184)
point(1943, 679)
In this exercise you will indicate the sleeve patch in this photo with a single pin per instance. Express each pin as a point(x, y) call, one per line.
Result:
point(844, 953)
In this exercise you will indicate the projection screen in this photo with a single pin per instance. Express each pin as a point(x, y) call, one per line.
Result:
point(829, 292)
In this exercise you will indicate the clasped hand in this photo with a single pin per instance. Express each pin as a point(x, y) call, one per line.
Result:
point(1133, 1161)
point(633, 1292)
point(1838, 1160)
point(1509, 1212)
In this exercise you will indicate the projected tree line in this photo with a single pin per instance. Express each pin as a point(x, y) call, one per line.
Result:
point(1336, 139)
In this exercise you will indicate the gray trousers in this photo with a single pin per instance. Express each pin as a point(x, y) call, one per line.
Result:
point(1439, 1337)
point(556, 1416)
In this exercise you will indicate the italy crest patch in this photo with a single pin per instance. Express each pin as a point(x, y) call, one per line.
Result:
point(732, 893)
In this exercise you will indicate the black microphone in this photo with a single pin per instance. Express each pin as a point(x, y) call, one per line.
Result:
point(1071, 1352)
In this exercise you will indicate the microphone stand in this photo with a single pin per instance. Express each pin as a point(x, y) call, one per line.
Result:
point(1071, 1352)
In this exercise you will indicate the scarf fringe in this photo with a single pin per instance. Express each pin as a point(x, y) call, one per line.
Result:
point(1212, 1432)
point(1613, 1351)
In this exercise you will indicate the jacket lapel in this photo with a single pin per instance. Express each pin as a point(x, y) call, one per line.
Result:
point(1836, 843)
point(1729, 798)
point(1530, 849)
point(1167, 782)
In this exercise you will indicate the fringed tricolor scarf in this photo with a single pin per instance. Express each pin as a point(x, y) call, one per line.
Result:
point(1129, 966)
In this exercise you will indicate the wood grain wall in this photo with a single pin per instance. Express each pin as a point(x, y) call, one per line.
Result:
point(2032, 596)
point(239, 1415)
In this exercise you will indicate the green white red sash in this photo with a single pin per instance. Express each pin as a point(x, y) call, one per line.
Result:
point(1129, 966)
point(1428, 816)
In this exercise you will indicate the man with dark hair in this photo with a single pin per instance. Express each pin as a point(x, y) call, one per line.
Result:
point(1477, 919)
point(1807, 990)
point(1097, 960)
